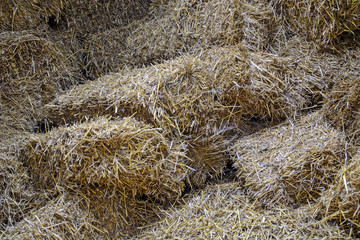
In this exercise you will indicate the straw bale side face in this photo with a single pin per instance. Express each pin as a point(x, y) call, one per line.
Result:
point(292, 163)
point(321, 21)
point(34, 70)
point(224, 212)
point(124, 154)
point(342, 200)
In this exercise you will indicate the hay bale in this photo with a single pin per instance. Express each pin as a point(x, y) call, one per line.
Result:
point(342, 106)
point(225, 212)
point(291, 163)
point(24, 15)
point(123, 154)
point(191, 26)
point(197, 99)
point(77, 215)
point(89, 17)
point(17, 194)
point(341, 201)
point(104, 51)
point(180, 27)
point(321, 21)
point(34, 69)
point(214, 89)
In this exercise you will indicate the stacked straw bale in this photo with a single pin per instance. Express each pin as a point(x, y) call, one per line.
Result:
point(225, 212)
point(198, 99)
point(291, 163)
point(342, 200)
point(321, 21)
point(34, 69)
point(182, 27)
point(126, 155)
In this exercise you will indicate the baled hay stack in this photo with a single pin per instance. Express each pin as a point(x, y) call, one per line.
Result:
point(342, 200)
point(184, 27)
point(24, 15)
point(196, 98)
point(18, 196)
point(342, 107)
point(291, 163)
point(123, 154)
point(33, 70)
point(322, 21)
point(225, 212)
point(121, 94)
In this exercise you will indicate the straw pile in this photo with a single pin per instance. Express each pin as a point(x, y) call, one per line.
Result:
point(181, 27)
point(224, 212)
point(291, 163)
point(321, 21)
point(126, 155)
point(34, 69)
point(341, 201)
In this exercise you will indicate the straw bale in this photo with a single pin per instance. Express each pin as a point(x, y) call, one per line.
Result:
point(341, 201)
point(77, 215)
point(34, 69)
point(180, 27)
point(122, 154)
point(17, 194)
point(219, 87)
point(104, 52)
point(291, 163)
point(321, 21)
point(24, 15)
point(89, 17)
point(225, 212)
point(342, 106)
